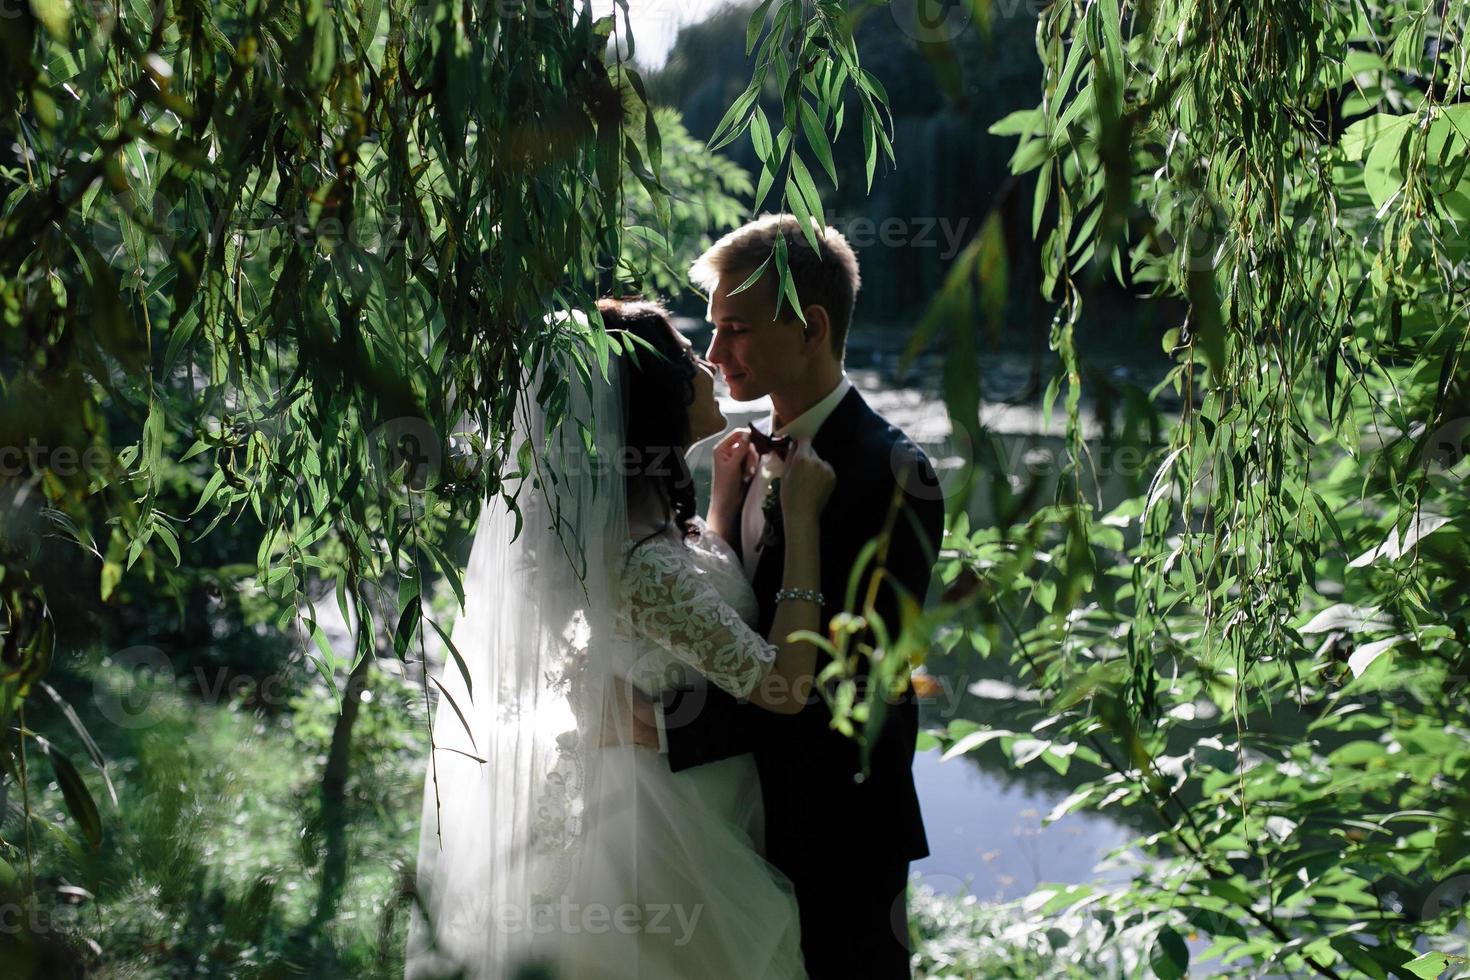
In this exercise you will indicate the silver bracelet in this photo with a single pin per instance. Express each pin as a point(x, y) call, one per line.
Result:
point(811, 595)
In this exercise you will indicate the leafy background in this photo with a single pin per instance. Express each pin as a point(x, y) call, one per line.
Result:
point(271, 272)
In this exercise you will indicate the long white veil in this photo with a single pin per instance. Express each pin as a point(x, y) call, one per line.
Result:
point(518, 733)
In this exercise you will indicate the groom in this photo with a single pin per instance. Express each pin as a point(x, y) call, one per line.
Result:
point(844, 837)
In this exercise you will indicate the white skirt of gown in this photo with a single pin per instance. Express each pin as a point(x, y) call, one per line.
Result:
point(692, 897)
point(684, 849)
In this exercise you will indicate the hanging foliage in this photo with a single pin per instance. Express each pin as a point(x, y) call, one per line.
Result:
point(1264, 651)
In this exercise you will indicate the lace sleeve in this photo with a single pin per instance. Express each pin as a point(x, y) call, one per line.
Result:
point(667, 600)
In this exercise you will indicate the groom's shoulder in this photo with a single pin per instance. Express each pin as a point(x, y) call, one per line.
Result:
point(875, 429)
point(905, 459)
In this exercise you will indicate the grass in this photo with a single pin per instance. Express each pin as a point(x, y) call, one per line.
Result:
point(210, 863)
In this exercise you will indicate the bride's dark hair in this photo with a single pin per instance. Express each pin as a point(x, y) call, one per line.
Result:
point(657, 393)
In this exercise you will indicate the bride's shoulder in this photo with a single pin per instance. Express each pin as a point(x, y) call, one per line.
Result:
point(644, 546)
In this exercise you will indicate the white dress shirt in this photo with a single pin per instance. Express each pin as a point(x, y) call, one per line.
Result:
point(804, 428)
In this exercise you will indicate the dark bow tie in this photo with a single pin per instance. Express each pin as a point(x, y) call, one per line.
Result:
point(780, 445)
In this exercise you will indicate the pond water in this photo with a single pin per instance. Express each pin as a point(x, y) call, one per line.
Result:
point(986, 837)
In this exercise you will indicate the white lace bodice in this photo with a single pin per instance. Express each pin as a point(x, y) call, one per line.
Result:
point(691, 599)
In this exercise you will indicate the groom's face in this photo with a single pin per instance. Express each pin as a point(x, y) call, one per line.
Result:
point(755, 351)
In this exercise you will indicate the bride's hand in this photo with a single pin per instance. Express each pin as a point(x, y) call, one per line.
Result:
point(806, 485)
point(731, 456)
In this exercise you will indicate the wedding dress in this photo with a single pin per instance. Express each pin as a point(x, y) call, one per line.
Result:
point(549, 847)
point(700, 832)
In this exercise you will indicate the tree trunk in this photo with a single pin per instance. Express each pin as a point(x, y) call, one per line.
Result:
point(334, 797)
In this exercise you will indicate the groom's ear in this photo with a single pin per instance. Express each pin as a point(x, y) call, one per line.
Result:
point(817, 331)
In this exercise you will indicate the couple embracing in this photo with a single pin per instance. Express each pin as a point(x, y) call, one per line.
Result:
point(638, 776)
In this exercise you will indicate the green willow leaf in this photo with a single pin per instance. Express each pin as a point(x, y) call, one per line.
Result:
point(734, 120)
point(760, 138)
point(408, 624)
point(79, 802)
point(816, 138)
point(756, 23)
point(805, 201)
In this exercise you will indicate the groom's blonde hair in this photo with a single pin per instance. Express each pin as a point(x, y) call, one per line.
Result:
point(827, 277)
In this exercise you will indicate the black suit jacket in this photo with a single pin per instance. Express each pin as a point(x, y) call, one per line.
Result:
point(822, 812)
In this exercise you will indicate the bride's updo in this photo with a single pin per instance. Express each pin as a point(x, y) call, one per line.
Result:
point(657, 393)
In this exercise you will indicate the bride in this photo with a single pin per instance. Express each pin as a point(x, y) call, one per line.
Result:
point(551, 845)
